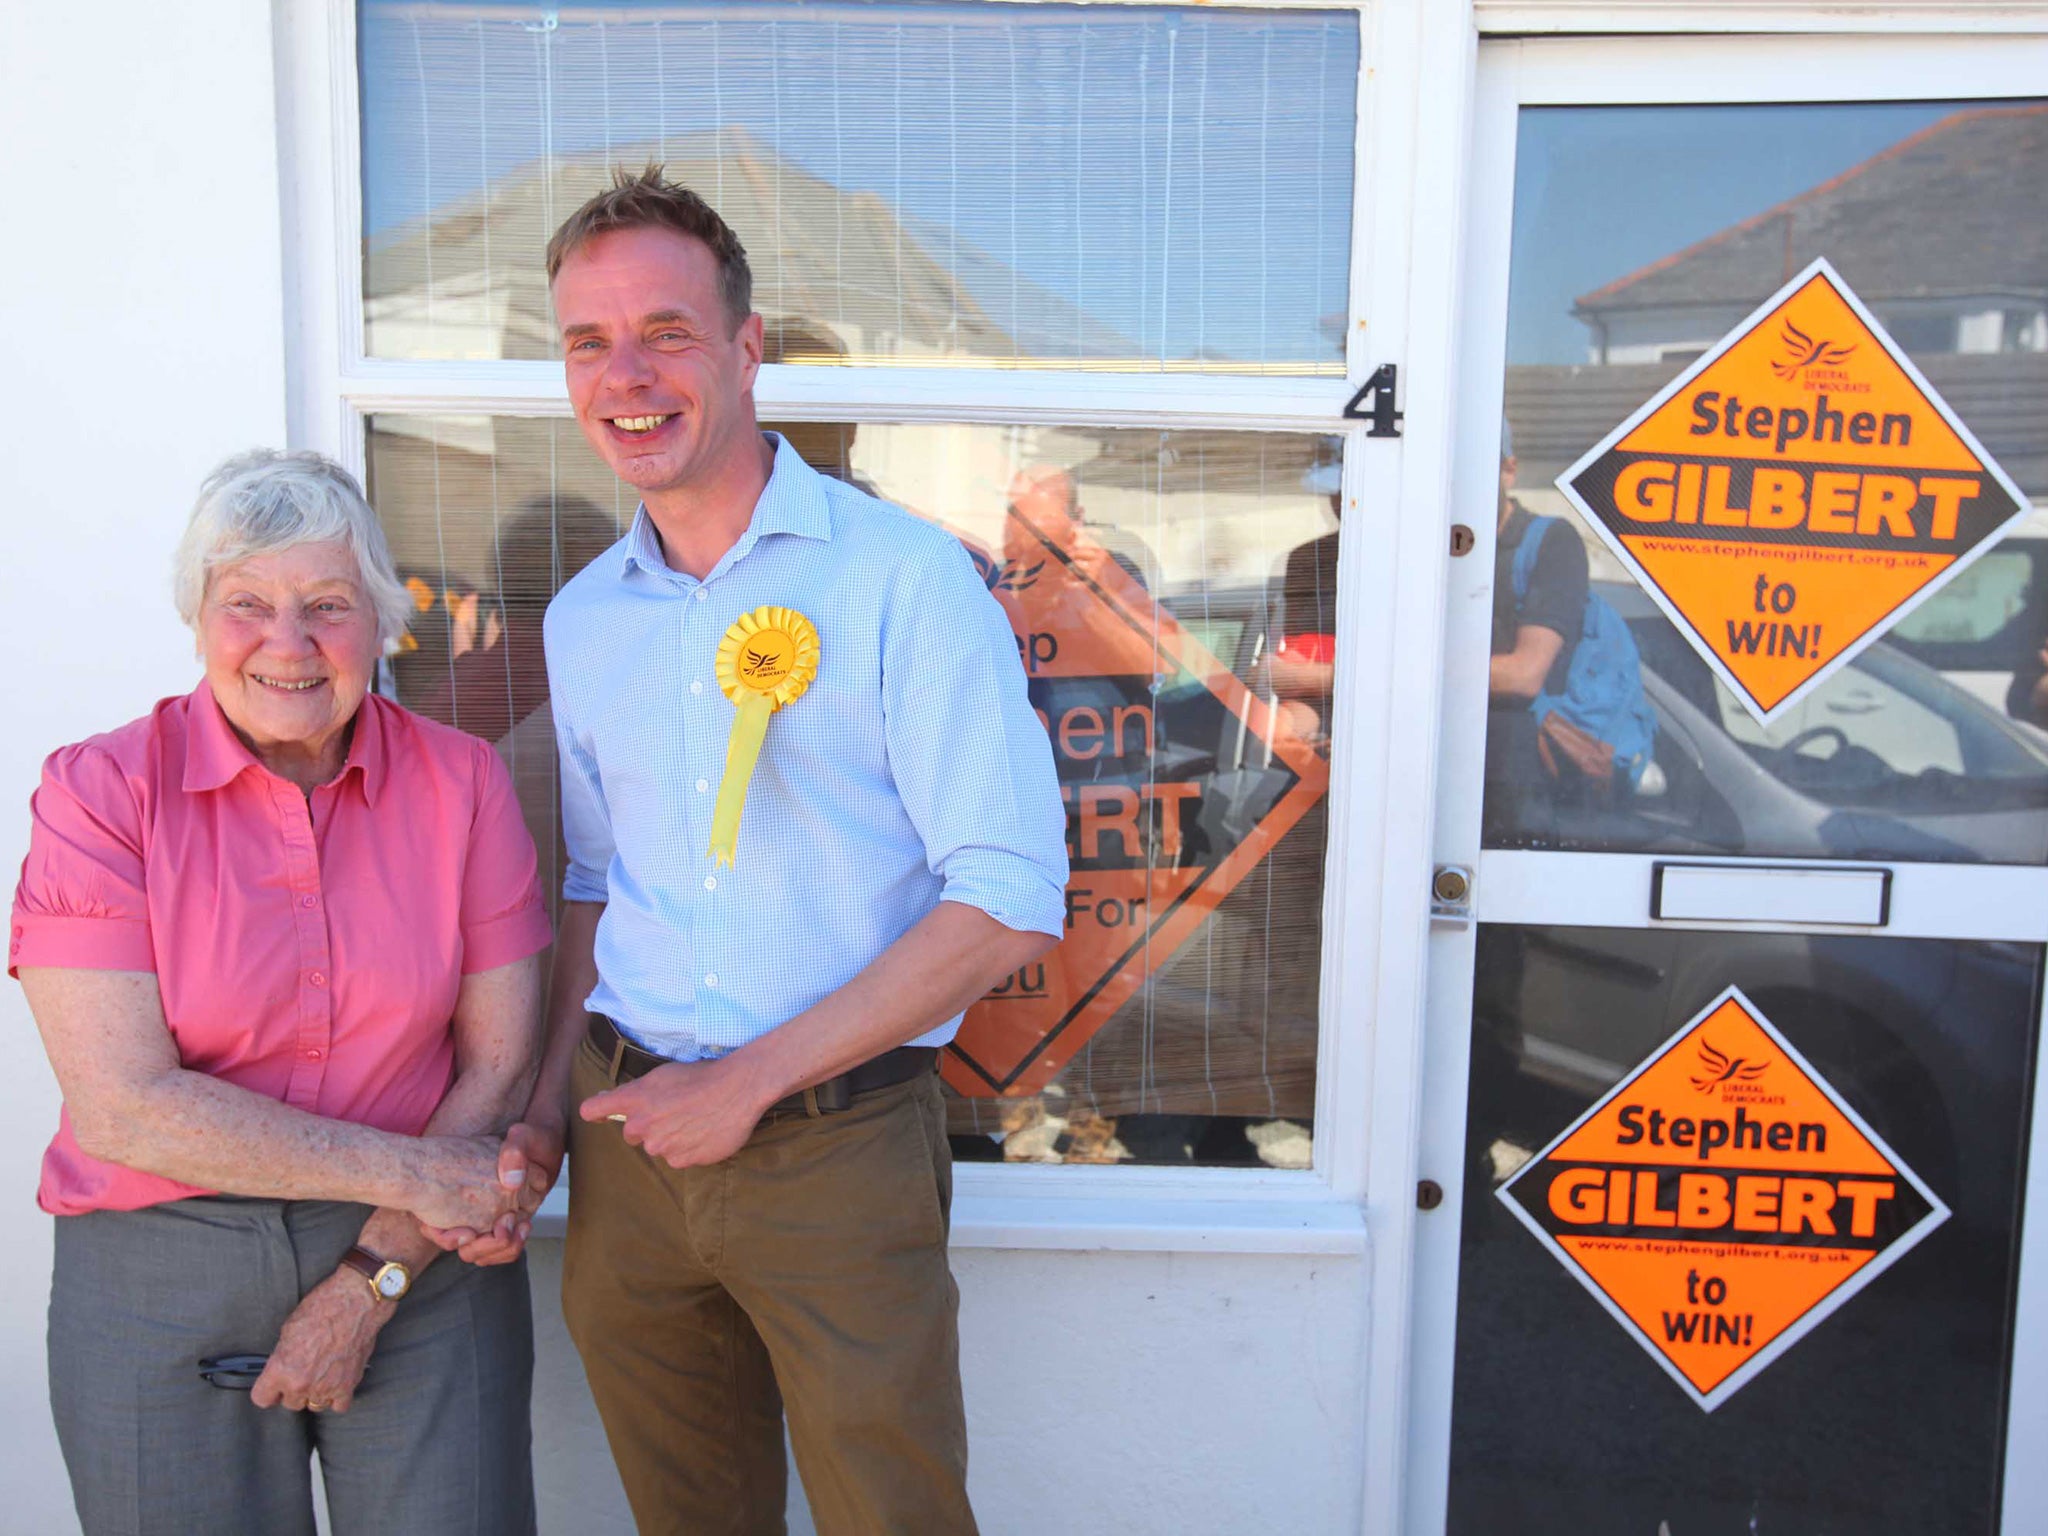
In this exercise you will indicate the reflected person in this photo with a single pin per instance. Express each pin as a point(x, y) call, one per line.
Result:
point(1534, 630)
point(281, 939)
point(1303, 664)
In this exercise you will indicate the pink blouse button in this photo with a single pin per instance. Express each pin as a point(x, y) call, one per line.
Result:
point(318, 978)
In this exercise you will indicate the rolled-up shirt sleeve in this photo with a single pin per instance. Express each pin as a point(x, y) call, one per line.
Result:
point(971, 761)
point(81, 903)
point(504, 917)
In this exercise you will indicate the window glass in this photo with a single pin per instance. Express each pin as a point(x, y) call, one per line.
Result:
point(1173, 596)
point(1115, 187)
point(1929, 744)
point(1551, 1393)
point(1976, 605)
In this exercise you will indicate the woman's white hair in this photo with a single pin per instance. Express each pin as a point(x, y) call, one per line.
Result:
point(262, 501)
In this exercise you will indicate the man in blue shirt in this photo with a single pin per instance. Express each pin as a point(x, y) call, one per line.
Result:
point(741, 1055)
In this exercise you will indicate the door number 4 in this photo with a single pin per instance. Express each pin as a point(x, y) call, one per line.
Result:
point(1374, 402)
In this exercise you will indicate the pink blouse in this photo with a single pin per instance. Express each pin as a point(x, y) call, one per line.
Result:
point(309, 952)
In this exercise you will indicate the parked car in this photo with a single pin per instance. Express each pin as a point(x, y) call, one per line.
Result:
point(1888, 759)
point(1979, 627)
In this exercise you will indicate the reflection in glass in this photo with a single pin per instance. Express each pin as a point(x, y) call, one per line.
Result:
point(1929, 745)
point(1888, 1419)
point(1173, 595)
point(1056, 185)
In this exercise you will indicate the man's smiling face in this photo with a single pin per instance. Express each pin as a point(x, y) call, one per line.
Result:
point(661, 381)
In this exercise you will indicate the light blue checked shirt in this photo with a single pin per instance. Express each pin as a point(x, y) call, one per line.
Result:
point(912, 772)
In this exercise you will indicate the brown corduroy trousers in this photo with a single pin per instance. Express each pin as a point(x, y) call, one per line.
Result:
point(806, 1273)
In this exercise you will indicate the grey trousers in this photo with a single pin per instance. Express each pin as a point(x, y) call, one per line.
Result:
point(438, 1440)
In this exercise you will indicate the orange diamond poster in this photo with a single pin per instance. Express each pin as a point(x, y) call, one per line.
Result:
point(1178, 781)
point(1722, 1200)
point(1793, 493)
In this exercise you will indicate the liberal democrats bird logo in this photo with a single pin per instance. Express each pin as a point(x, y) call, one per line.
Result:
point(1006, 575)
point(1723, 1069)
point(1804, 352)
point(763, 663)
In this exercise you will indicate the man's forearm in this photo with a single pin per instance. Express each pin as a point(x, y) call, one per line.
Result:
point(1519, 674)
point(575, 975)
point(935, 971)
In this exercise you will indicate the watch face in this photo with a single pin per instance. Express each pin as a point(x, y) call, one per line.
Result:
point(392, 1282)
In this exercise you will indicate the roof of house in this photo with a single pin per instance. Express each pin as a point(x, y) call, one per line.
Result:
point(840, 266)
point(1953, 210)
point(1559, 412)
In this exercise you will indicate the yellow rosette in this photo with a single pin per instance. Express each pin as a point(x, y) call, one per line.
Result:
point(767, 659)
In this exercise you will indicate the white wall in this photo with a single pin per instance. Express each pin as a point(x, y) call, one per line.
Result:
point(140, 306)
point(1155, 1393)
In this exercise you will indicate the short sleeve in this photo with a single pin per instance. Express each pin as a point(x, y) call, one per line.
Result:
point(1557, 587)
point(81, 903)
point(503, 916)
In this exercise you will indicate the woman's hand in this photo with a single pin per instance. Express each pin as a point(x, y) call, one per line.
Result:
point(459, 1183)
point(323, 1347)
point(534, 1147)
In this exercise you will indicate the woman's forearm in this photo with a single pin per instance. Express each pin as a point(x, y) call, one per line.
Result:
point(201, 1130)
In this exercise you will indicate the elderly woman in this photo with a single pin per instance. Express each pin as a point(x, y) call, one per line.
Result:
point(282, 941)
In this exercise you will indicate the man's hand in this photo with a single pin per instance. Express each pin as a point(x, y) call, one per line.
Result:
point(459, 1183)
point(529, 1162)
point(688, 1114)
point(323, 1347)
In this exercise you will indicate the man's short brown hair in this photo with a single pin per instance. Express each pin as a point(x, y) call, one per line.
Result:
point(649, 200)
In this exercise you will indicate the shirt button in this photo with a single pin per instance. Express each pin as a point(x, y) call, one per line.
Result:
point(703, 788)
point(309, 901)
point(697, 685)
point(313, 1055)
point(711, 980)
point(710, 882)
point(318, 978)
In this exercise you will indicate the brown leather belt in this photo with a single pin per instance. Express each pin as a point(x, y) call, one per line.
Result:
point(629, 1061)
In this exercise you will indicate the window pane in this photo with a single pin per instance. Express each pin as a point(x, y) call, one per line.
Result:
point(1173, 596)
point(1019, 186)
point(1551, 1395)
point(1926, 745)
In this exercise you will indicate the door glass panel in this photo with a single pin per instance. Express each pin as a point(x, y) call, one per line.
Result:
point(1887, 1417)
point(1174, 599)
point(1927, 745)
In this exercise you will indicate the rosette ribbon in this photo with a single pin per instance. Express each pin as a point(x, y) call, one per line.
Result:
point(767, 659)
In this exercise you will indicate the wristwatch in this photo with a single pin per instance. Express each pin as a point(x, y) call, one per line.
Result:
point(388, 1278)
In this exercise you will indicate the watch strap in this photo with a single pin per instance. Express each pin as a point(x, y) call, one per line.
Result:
point(369, 1266)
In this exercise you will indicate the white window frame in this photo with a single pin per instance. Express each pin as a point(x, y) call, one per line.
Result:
point(1407, 206)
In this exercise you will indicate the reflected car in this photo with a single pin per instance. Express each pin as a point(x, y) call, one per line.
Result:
point(1888, 759)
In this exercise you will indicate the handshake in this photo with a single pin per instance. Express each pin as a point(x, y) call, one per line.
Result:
point(475, 1197)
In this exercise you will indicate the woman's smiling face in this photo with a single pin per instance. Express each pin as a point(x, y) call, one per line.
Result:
point(289, 640)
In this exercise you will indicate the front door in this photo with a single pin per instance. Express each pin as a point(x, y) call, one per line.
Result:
point(1737, 973)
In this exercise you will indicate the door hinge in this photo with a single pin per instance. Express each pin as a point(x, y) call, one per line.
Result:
point(1374, 402)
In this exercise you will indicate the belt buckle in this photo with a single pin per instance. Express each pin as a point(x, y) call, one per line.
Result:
point(834, 1095)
